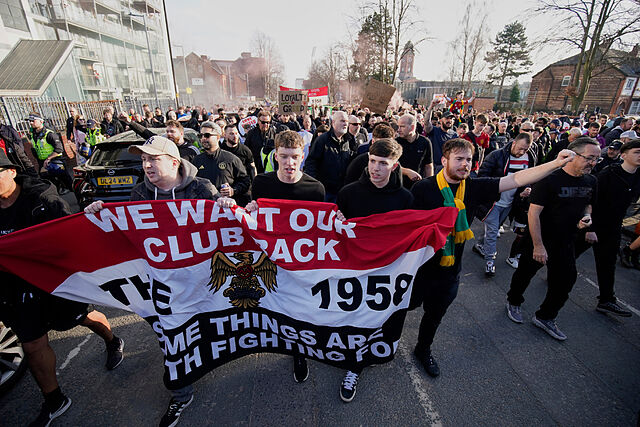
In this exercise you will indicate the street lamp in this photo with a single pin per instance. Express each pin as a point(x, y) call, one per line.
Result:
point(153, 75)
point(186, 76)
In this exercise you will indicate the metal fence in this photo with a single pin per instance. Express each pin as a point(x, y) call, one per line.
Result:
point(55, 111)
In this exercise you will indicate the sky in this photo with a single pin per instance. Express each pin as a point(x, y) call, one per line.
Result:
point(297, 27)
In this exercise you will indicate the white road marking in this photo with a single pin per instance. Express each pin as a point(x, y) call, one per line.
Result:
point(620, 302)
point(74, 352)
point(432, 416)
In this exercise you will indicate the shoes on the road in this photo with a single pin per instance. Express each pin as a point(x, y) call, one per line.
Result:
point(550, 327)
point(490, 269)
point(612, 308)
point(514, 313)
point(48, 414)
point(500, 231)
point(427, 361)
point(300, 369)
point(513, 262)
point(172, 416)
point(348, 388)
point(115, 353)
point(477, 248)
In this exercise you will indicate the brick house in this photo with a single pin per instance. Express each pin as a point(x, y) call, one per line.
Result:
point(615, 86)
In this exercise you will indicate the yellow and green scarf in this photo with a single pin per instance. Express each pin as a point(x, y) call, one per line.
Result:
point(461, 231)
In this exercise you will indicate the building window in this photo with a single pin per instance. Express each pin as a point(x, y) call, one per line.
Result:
point(635, 107)
point(565, 81)
point(629, 84)
point(13, 15)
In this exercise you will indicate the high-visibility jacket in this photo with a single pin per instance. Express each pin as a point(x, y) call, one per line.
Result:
point(41, 146)
point(94, 136)
point(267, 160)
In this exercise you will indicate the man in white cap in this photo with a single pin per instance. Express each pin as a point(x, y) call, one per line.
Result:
point(167, 177)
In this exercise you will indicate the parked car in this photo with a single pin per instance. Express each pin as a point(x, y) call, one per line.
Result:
point(111, 171)
point(12, 361)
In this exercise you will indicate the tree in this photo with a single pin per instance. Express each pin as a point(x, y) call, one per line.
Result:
point(595, 28)
point(468, 47)
point(385, 30)
point(515, 93)
point(329, 70)
point(510, 55)
point(263, 46)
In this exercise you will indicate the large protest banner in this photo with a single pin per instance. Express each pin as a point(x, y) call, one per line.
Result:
point(216, 284)
point(317, 96)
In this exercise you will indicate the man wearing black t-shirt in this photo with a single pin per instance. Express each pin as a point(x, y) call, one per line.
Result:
point(417, 157)
point(560, 205)
point(377, 191)
point(436, 283)
point(288, 183)
point(620, 184)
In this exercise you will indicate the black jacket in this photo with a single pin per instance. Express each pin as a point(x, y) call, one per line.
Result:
point(362, 198)
point(328, 160)
point(112, 128)
point(187, 151)
point(191, 187)
point(617, 189)
point(15, 151)
point(223, 167)
point(255, 140)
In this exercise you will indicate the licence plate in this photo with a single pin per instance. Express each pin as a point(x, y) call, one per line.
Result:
point(115, 180)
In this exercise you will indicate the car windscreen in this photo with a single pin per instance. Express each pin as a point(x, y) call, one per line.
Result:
point(106, 154)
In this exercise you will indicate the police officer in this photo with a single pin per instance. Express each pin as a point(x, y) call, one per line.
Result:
point(47, 149)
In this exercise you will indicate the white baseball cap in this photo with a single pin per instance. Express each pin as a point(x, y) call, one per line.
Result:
point(155, 146)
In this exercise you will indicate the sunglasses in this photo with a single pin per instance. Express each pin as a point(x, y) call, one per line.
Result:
point(207, 135)
point(265, 123)
point(354, 124)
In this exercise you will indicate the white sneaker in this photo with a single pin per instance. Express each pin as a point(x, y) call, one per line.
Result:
point(513, 262)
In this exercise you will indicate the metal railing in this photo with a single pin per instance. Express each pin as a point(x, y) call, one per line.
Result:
point(55, 111)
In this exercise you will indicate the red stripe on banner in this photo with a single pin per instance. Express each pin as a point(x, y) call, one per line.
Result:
point(173, 234)
point(318, 91)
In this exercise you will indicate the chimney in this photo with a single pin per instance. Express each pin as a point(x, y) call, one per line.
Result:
point(634, 52)
point(204, 57)
point(245, 55)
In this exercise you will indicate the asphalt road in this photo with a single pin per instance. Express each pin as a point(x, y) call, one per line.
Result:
point(494, 372)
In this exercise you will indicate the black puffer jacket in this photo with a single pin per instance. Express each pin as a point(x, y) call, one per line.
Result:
point(328, 160)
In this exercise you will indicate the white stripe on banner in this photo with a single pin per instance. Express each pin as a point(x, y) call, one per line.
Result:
point(359, 298)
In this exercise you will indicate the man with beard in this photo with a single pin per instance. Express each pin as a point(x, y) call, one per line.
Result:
point(436, 283)
point(561, 204)
point(175, 133)
point(438, 135)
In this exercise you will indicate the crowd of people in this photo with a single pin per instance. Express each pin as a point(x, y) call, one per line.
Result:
point(564, 183)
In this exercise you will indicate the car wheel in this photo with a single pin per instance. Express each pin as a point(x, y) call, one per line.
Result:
point(13, 364)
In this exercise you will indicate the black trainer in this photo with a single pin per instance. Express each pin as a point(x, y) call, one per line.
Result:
point(626, 257)
point(477, 248)
point(348, 388)
point(48, 414)
point(612, 308)
point(427, 361)
point(172, 416)
point(300, 369)
point(115, 353)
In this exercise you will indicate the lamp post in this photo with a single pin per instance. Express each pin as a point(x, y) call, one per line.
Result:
point(186, 76)
point(153, 75)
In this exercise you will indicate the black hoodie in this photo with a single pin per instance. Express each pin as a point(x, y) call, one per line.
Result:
point(362, 198)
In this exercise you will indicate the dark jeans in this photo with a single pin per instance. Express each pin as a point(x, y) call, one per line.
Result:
point(561, 276)
point(435, 288)
point(605, 251)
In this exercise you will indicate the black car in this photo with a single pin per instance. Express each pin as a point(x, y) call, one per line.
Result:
point(111, 171)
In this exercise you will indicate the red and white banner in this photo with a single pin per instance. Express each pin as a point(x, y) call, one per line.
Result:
point(217, 284)
point(317, 96)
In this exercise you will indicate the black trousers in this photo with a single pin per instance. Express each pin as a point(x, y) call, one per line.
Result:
point(434, 288)
point(561, 275)
point(605, 251)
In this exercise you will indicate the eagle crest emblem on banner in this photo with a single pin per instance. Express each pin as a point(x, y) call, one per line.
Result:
point(245, 289)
